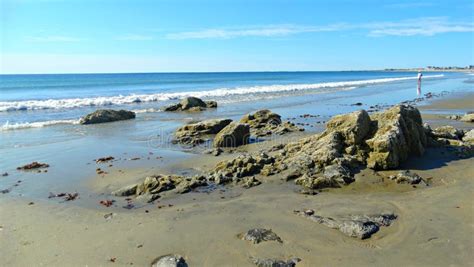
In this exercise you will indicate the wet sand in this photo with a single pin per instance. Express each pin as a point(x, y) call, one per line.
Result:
point(434, 225)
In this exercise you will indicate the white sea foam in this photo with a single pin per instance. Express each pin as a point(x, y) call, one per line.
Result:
point(216, 93)
point(17, 126)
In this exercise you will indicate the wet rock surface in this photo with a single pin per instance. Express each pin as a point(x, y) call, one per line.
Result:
point(258, 235)
point(233, 135)
point(150, 189)
point(265, 122)
point(448, 132)
point(197, 133)
point(33, 165)
point(107, 115)
point(169, 261)
point(407, 177)
point(191, 104)
point(357, 226)
point(275, 262)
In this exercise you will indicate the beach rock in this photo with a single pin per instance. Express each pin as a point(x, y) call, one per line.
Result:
point(151, 187)
point(448, 132)
point(453, 117)
point(258, 235)
point(191, 104)
point(33, 165)
point(107, 115)
point(276, 262)
point(233, 135)
point(172, 260)
point(469, 137)
point(467, 118)
point(264, 122)
point(399, 133)
point(242, 166)
point(354, 126)
point(357, 226)
point(406, 177)
point(195, 133)
point(250, 181)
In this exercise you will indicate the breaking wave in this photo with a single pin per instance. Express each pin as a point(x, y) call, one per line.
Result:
point(216, 93)
point(17, 126)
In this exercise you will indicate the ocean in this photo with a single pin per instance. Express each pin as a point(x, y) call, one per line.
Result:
point(39, 113)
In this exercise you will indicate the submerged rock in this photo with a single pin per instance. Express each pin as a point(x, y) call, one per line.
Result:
point(357, 226)
point(107, 115)
point(258, 235)
point(276, 262)
point(195, 133)
point(33, 165)
point(233, 135)
point(169, 261)
point(191, 104)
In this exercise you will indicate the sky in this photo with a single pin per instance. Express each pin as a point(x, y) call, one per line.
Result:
point(108, 36)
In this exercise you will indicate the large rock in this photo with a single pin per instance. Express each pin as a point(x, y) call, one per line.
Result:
point(191, 104)
point(469, 137)
point(107, 115)
point(468, 117)
point(399, 133)
point(264, 122)
point(354, 126)
point(258, 235)
point(194, 133)
point(233, 135)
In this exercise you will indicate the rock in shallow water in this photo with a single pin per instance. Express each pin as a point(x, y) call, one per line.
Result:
point(107, 115)
point(191, 104)
point(258, 235)
point(264, 122)
point(195, 133)
point(406, 177)
point(358, 226)
point(169, 261)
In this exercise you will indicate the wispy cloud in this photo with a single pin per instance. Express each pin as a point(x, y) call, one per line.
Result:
point(53, 39)
point(135, 37)
point(411, 5)
point(422, 26)
point(261, 31)
point(427, 26)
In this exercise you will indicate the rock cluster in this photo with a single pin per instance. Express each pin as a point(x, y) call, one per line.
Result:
point(350, 141)
point(358, 226)
point(264, 122)
point(468, 117)
point(196, 133)
point(461, 142)
point(191, 104)
point(406, 177)
point(107, 115)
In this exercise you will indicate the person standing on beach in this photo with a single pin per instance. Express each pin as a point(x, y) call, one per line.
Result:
point(418, 91)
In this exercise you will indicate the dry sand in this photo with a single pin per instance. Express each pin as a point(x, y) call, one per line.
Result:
point(434, 225)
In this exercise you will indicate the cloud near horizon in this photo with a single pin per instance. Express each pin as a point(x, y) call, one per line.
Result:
point(425, 26)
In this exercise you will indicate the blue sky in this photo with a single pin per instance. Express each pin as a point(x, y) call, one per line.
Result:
point(59, 36)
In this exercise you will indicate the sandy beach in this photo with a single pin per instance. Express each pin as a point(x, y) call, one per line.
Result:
point(434, 225)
